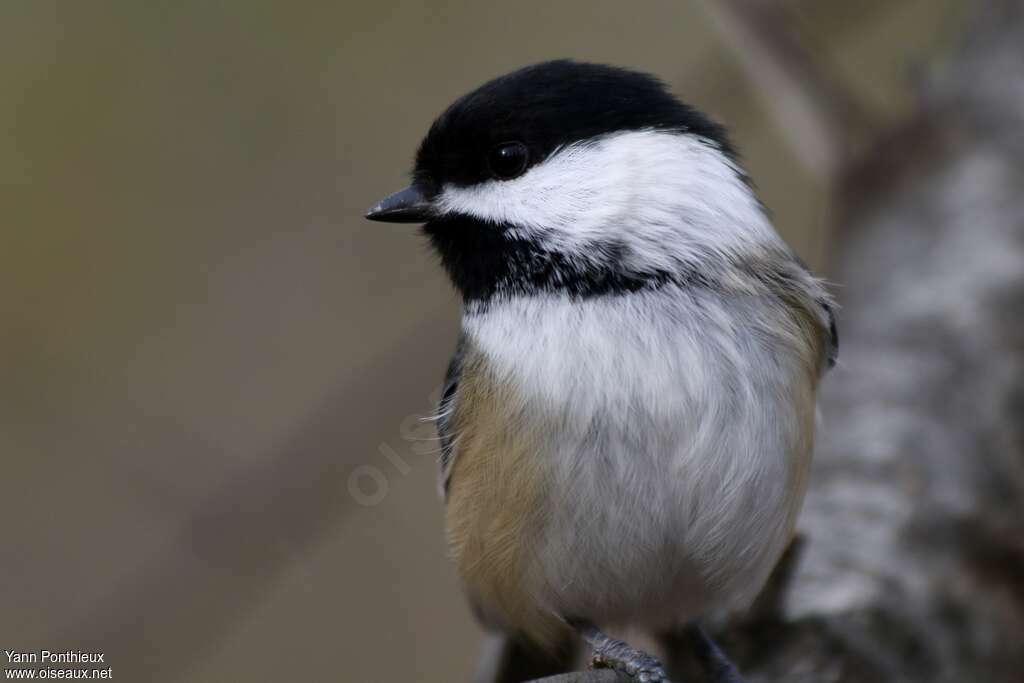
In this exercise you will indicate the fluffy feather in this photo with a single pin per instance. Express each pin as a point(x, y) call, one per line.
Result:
point(664, 438)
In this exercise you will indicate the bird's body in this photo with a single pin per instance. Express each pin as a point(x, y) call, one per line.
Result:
point(618, 452)
point(628, 421)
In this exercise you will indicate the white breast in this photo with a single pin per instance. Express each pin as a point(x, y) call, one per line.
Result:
point(685, 430)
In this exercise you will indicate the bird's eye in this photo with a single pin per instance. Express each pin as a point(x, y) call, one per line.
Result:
point(508, 160)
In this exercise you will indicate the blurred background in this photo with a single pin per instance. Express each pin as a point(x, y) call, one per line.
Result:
point(212, 368)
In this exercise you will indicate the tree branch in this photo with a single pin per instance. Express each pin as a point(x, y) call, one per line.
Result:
point(819, 117)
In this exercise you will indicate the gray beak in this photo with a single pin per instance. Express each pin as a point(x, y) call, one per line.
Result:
point(405, 206)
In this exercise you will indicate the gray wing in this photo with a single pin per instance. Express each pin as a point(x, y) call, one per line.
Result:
point(445, 410)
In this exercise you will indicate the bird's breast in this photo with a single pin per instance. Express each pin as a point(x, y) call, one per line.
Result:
point(624, 458)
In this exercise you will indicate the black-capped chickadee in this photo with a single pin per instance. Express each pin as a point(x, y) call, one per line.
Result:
point(628, 420)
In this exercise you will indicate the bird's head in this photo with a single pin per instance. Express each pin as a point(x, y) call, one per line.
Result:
point(578, 179)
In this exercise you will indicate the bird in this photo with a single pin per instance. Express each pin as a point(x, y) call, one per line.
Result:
point(627, 422)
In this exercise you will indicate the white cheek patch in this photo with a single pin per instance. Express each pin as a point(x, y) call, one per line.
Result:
point(662, 197)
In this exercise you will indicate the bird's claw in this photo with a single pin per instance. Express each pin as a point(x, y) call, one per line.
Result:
point(639, 665)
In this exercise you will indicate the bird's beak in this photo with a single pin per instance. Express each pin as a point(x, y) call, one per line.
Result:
point(405, 206)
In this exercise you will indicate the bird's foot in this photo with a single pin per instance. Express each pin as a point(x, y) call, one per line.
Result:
point(610, 653)
point(636, 663)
